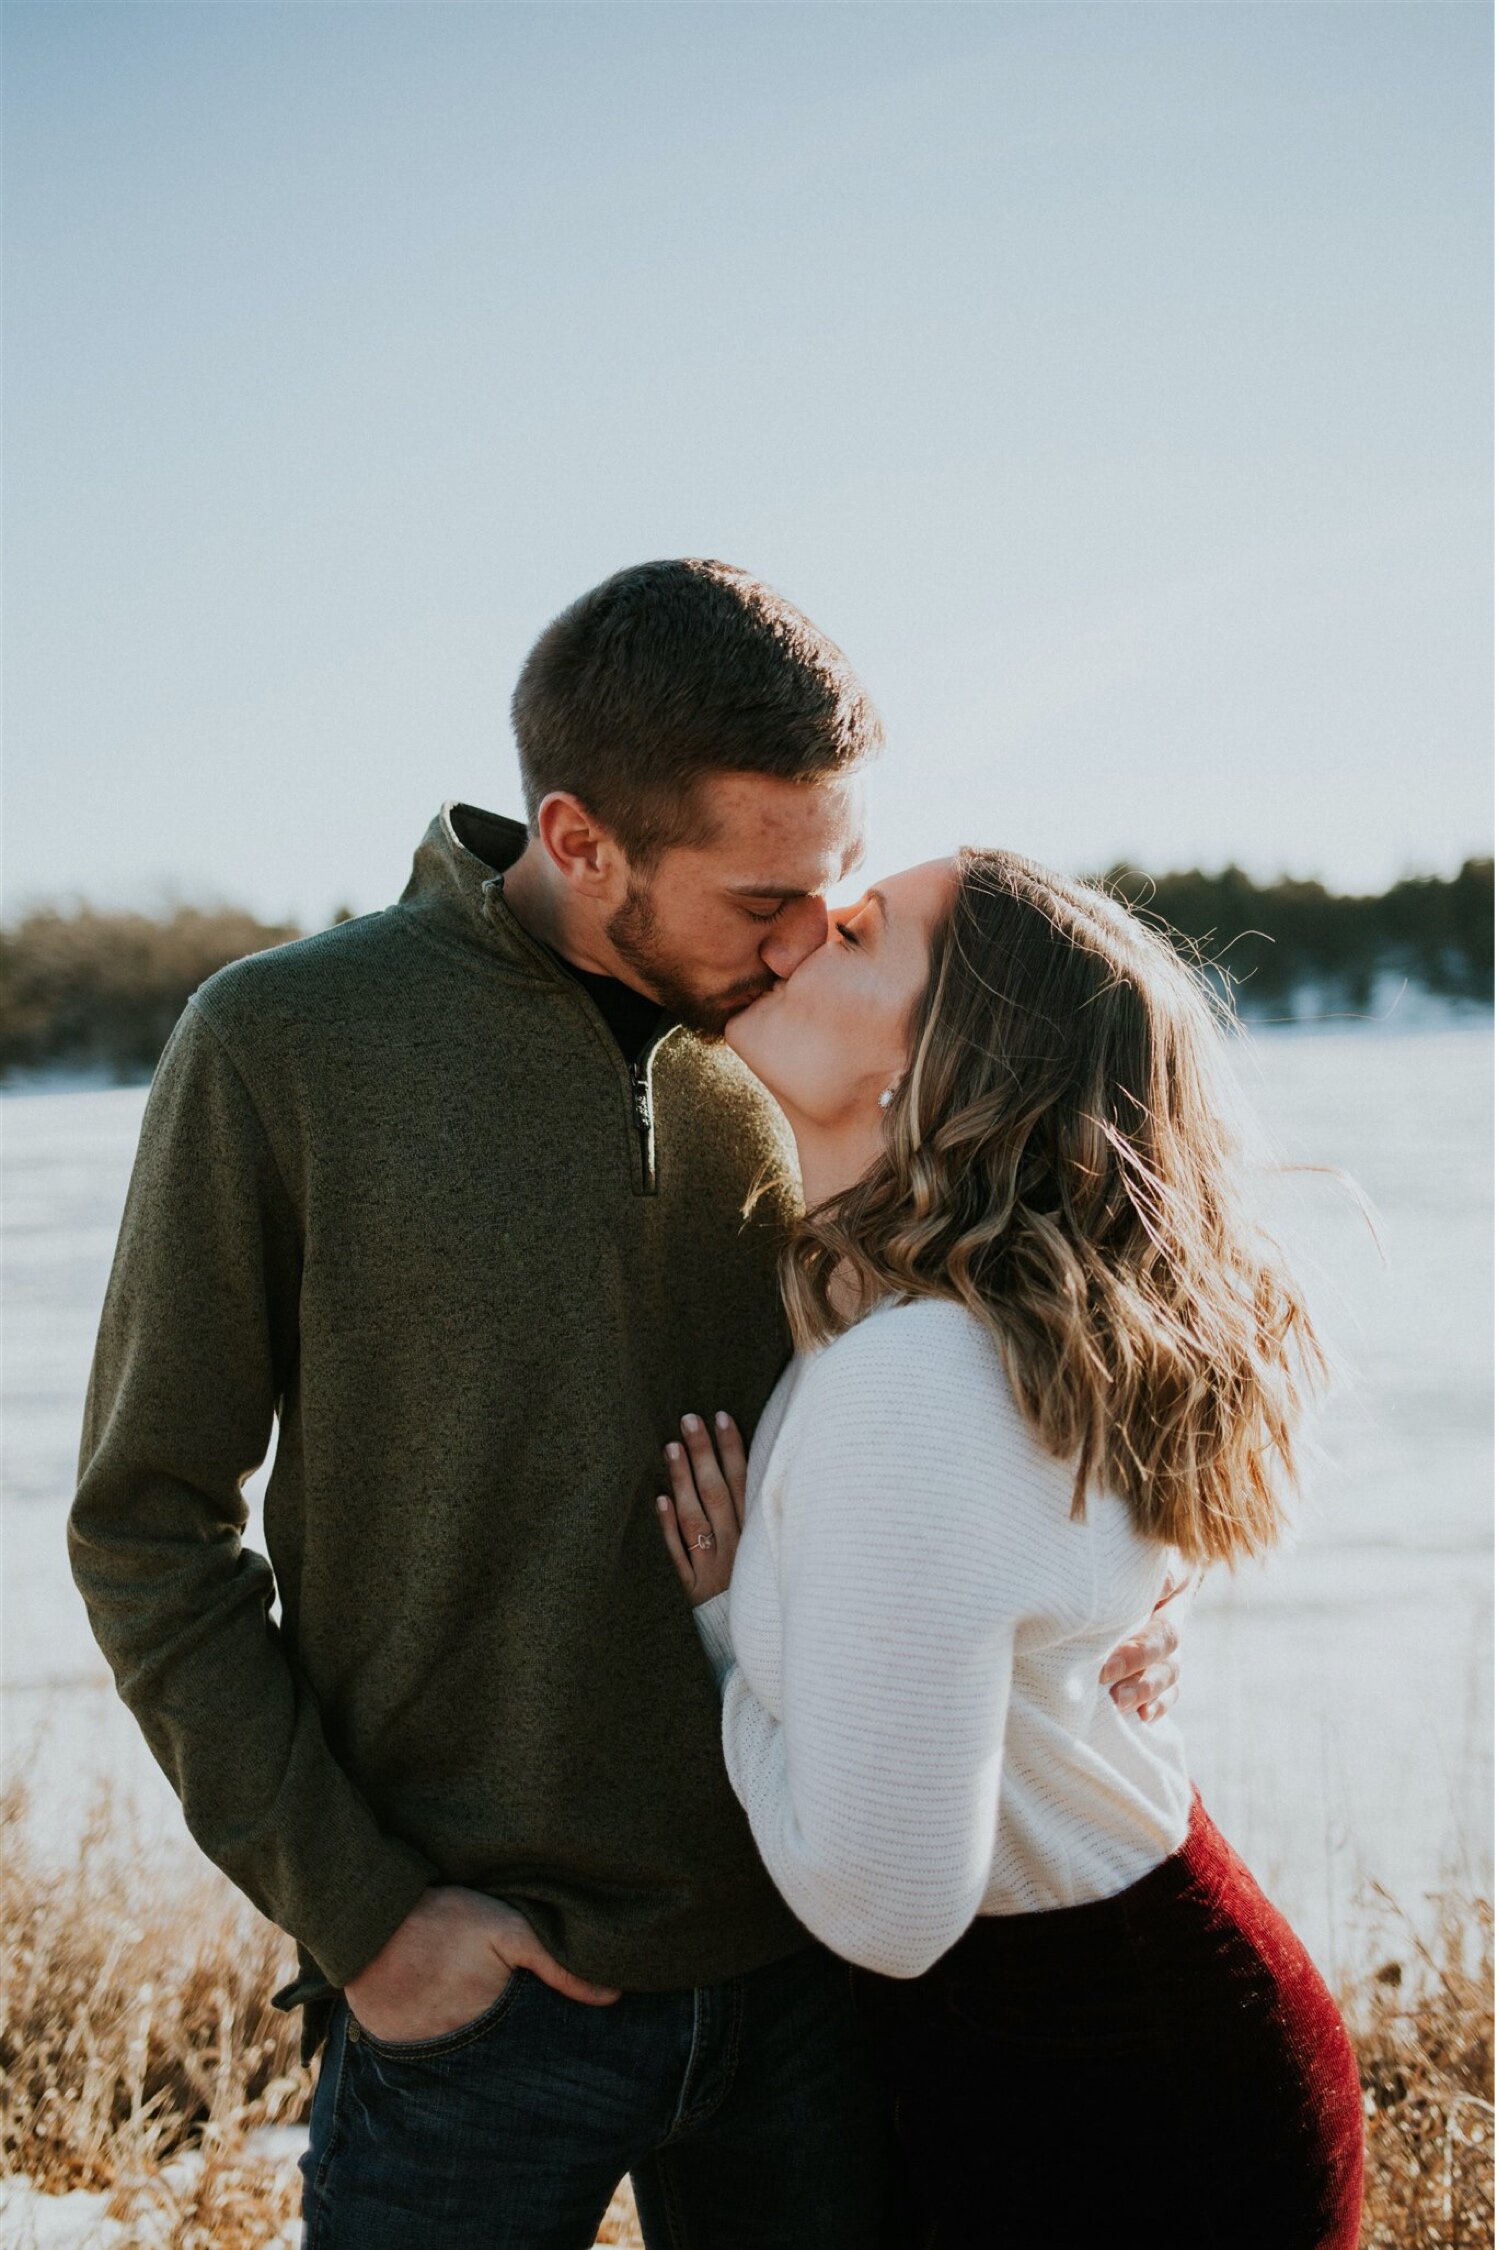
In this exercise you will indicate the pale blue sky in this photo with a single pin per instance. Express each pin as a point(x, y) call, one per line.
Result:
point(1112, 380)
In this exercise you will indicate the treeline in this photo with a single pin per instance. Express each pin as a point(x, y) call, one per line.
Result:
point(98, 993)
point(1268, 944)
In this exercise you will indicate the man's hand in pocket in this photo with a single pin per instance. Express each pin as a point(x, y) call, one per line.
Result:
point(452, 1956)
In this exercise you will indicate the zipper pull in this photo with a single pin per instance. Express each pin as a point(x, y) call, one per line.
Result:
point(640, 1103)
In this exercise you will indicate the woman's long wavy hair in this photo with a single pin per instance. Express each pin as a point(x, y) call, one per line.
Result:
point(1060, 1157)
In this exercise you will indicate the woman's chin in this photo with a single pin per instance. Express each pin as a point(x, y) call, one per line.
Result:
point(744, 1032)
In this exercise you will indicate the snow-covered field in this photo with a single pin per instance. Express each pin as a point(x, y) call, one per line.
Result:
point(1337, 1703)
point(81, 2221)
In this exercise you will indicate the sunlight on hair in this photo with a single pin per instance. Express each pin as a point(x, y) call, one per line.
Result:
point(1070, 1157)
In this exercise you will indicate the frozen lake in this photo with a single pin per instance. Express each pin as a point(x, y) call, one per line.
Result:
point(1337, 1703)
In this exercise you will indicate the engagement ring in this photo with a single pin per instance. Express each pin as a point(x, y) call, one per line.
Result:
point(704, 1539)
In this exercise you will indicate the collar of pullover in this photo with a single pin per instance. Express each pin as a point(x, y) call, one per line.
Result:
point(457, 891)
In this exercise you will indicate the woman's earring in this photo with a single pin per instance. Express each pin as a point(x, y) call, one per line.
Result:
point(888, 1097)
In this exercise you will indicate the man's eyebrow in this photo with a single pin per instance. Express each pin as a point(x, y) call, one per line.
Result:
point(765, 890)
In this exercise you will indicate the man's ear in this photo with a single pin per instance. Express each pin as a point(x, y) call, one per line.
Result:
point(583, 852)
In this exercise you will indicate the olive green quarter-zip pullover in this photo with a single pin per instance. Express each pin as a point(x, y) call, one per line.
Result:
point(399, 1195)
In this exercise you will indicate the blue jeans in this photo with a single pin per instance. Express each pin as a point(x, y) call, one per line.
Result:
point(745, 2113)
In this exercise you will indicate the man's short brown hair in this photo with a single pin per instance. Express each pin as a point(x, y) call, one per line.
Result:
point(672, 670)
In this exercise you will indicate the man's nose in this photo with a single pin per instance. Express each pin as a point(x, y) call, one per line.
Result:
point(801, 930)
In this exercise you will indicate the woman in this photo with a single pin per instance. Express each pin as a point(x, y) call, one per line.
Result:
point(1040, 1339)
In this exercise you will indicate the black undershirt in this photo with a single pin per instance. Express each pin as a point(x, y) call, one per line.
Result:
point(635, 1021)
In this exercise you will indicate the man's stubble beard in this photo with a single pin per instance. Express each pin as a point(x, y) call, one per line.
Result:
point(634, 933)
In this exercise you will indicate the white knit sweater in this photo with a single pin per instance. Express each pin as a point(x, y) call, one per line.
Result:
point(910, 1649)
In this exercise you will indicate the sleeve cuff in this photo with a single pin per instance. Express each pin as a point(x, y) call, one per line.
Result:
point(712, 1621)
point(348, 1936)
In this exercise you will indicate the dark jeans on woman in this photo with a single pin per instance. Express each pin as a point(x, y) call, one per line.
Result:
point(744, 2113)
point(1163, 2070)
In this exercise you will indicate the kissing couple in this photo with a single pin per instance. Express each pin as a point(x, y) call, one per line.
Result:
point(746, 1379)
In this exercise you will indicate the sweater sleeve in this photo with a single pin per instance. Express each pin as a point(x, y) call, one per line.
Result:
point(196, 1343)
point(874, 1795)
point(712, 1620)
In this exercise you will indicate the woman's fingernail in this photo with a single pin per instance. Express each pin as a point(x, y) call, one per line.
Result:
point(722, 1419)
point(663, 1502)
point(673, 1450)
point(690, 1421)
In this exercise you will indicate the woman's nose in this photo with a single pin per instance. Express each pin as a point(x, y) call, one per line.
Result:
point(801, 930)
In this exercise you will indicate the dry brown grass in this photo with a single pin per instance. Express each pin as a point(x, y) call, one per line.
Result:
point(1423, 2022)
point(135, 2028)
point(135, 2033)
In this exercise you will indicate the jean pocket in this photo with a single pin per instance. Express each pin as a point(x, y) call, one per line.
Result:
point(443, 2042)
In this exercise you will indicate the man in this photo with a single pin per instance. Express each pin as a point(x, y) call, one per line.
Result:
point(455, 1196)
